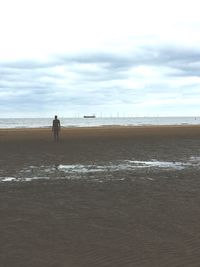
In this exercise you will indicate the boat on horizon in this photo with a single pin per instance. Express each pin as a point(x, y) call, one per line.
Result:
point(89, 116)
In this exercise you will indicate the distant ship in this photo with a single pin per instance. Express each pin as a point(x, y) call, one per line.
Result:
point(89, 116)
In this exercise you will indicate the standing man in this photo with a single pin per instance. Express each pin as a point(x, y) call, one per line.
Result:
point(56, 128)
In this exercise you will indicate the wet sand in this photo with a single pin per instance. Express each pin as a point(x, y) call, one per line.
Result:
point(149, 217)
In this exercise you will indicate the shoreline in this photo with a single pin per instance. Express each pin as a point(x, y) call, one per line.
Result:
point(106, 126)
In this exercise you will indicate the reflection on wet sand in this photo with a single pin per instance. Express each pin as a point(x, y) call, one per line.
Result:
point(77, 171)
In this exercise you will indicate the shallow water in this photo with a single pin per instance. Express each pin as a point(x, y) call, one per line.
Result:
point(99, 121)
point(107, 170)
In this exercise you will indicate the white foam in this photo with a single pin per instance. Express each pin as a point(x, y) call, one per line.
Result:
point(157, 164)
point(8, 179)
point(195, 160)
point(78, 168)
point(123, 165)
point(29, 179)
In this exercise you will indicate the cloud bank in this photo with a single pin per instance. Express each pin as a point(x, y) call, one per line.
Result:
point(149, 80)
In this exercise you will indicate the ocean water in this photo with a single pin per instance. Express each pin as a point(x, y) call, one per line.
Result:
point(92, 122)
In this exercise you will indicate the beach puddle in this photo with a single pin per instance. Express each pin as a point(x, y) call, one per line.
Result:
point(94, 171)
point(124, 165)
point(157, 164)
point(8, 179)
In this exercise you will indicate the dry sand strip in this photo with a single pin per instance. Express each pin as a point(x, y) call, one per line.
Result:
point(129, 223)
point(107, 131)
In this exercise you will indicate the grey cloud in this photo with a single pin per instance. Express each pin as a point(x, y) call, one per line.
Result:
point(174, 57)
point(183, 61)
point(105, 60)
point(27, 64)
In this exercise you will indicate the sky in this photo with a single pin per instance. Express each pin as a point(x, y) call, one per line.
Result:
point(103, 57)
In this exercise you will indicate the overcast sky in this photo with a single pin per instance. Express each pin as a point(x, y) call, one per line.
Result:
point(108, 57)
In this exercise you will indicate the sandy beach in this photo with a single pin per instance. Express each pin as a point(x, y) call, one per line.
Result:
point(107, 197)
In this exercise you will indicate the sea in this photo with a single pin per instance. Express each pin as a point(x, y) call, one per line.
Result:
point(6, 123)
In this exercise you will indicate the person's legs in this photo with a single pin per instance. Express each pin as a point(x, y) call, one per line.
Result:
point(56, 137)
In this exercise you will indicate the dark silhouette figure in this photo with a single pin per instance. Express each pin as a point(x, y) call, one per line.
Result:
point(56, 128)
